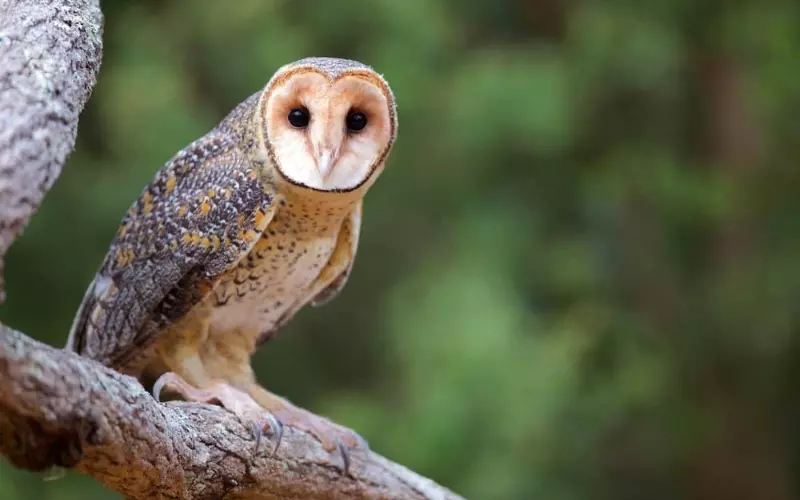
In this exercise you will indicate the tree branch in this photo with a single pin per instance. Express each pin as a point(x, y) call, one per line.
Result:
point(50, 52)
point(57, 408)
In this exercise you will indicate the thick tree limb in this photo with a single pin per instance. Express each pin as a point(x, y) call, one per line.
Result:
point(50, 52)
point(57, 408)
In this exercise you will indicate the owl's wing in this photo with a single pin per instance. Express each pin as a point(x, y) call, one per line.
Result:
point(203, 212)
point(341, 262)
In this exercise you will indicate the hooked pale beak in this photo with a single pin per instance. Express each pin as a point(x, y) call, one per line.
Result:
point(327, 158)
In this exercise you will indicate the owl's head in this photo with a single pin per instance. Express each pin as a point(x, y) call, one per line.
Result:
point(329, 124)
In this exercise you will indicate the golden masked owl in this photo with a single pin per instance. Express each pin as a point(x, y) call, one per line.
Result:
point(235, 234)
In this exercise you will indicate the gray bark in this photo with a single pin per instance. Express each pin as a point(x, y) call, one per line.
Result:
point(57, 408)
point(50, 52)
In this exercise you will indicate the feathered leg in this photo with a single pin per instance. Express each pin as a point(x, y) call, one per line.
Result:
point(188, 369)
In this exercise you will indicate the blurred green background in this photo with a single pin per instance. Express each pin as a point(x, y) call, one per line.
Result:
point(579, 275)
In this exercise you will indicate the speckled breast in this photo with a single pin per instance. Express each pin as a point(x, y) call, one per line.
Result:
point(273, 277)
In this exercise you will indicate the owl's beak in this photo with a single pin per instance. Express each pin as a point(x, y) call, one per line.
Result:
point(327, 159)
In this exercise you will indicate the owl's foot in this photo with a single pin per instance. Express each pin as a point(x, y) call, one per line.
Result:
point(234, 400)
point(331, 435)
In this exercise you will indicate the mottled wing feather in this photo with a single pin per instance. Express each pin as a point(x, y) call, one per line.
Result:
point(201, 214)
point(351, 228)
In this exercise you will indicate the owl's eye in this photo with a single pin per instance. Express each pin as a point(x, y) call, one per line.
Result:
point(299, 117)
point(356, 121)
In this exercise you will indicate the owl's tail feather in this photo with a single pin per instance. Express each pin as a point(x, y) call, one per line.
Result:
point(77, 332)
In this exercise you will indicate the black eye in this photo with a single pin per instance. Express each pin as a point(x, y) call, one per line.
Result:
point(356, 121)
point(298, 117)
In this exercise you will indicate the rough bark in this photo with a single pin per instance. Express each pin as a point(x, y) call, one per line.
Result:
point(59, 409)
point(50, 52)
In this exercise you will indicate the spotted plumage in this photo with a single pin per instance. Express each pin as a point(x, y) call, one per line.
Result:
point(177, 239)
point(237, 233)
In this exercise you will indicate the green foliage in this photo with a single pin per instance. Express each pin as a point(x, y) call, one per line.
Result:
point(578, 276)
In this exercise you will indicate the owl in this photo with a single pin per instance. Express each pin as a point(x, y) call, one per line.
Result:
point(235, 234)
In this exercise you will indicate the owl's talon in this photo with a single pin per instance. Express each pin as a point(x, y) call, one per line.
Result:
point(270, 410)
point(237, 402)
point(276, 430)
point(258, 432)
point(175, 382)
point(332, 436)
point(345, 458)
point(157, 391)
point(278, 433)
point(158, 386)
